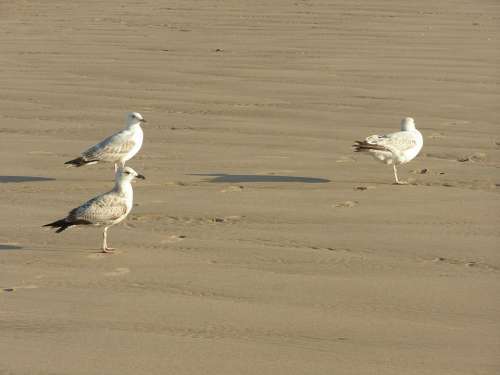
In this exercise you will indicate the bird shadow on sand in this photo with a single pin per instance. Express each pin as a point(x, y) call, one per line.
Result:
point(9, 247)
point(7, 179)
point(242, 178)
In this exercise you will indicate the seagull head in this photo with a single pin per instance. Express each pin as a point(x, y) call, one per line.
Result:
point(128, 174)
point(407, 124)
point(134, 118)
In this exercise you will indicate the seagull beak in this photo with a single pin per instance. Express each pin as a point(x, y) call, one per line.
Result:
point(142, 120)
point(140, 176)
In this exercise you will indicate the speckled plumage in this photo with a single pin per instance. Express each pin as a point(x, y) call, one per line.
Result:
point(104, 210)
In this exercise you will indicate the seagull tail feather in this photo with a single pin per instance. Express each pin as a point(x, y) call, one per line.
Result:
point(60, 225)
point(360, 146)
point(78, 162)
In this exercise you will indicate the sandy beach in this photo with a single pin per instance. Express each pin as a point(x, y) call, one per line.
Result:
point(259, 242)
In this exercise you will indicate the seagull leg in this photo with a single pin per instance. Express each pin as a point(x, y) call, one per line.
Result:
point(116, 167)
point(396, 177)
point(105, 248)
point(395, 173)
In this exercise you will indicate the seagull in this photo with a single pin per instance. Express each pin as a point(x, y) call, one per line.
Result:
point(394, 148)
point(118, 148)
point(104, 210)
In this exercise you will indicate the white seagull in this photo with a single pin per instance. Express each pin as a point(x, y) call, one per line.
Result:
point(394, 148)
point(118, 148)
point(106, 209)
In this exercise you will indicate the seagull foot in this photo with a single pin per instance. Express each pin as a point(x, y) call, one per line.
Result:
point(401, 183)
point(108, 250)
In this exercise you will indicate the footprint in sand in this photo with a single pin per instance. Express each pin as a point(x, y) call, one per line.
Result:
point(147, 217)
point(173, 238)
point(362, 188)
point(475, 157)
point(232, 189)
point(420, 171)
point(118, 272)
point(347, 204)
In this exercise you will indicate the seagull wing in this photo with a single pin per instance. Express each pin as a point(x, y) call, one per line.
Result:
point(395, 142)
point(111, 148)
point(103, 208)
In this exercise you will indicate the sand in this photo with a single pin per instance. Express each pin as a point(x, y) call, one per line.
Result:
point(259, 243)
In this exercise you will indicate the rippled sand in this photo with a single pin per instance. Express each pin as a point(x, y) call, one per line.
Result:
point(260, 244)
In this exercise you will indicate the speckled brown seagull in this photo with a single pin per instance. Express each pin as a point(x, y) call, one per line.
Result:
point(106, 209)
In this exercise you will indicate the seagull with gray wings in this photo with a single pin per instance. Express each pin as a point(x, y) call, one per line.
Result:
point(106, 209)
point(394, 148)
point(117, 148)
